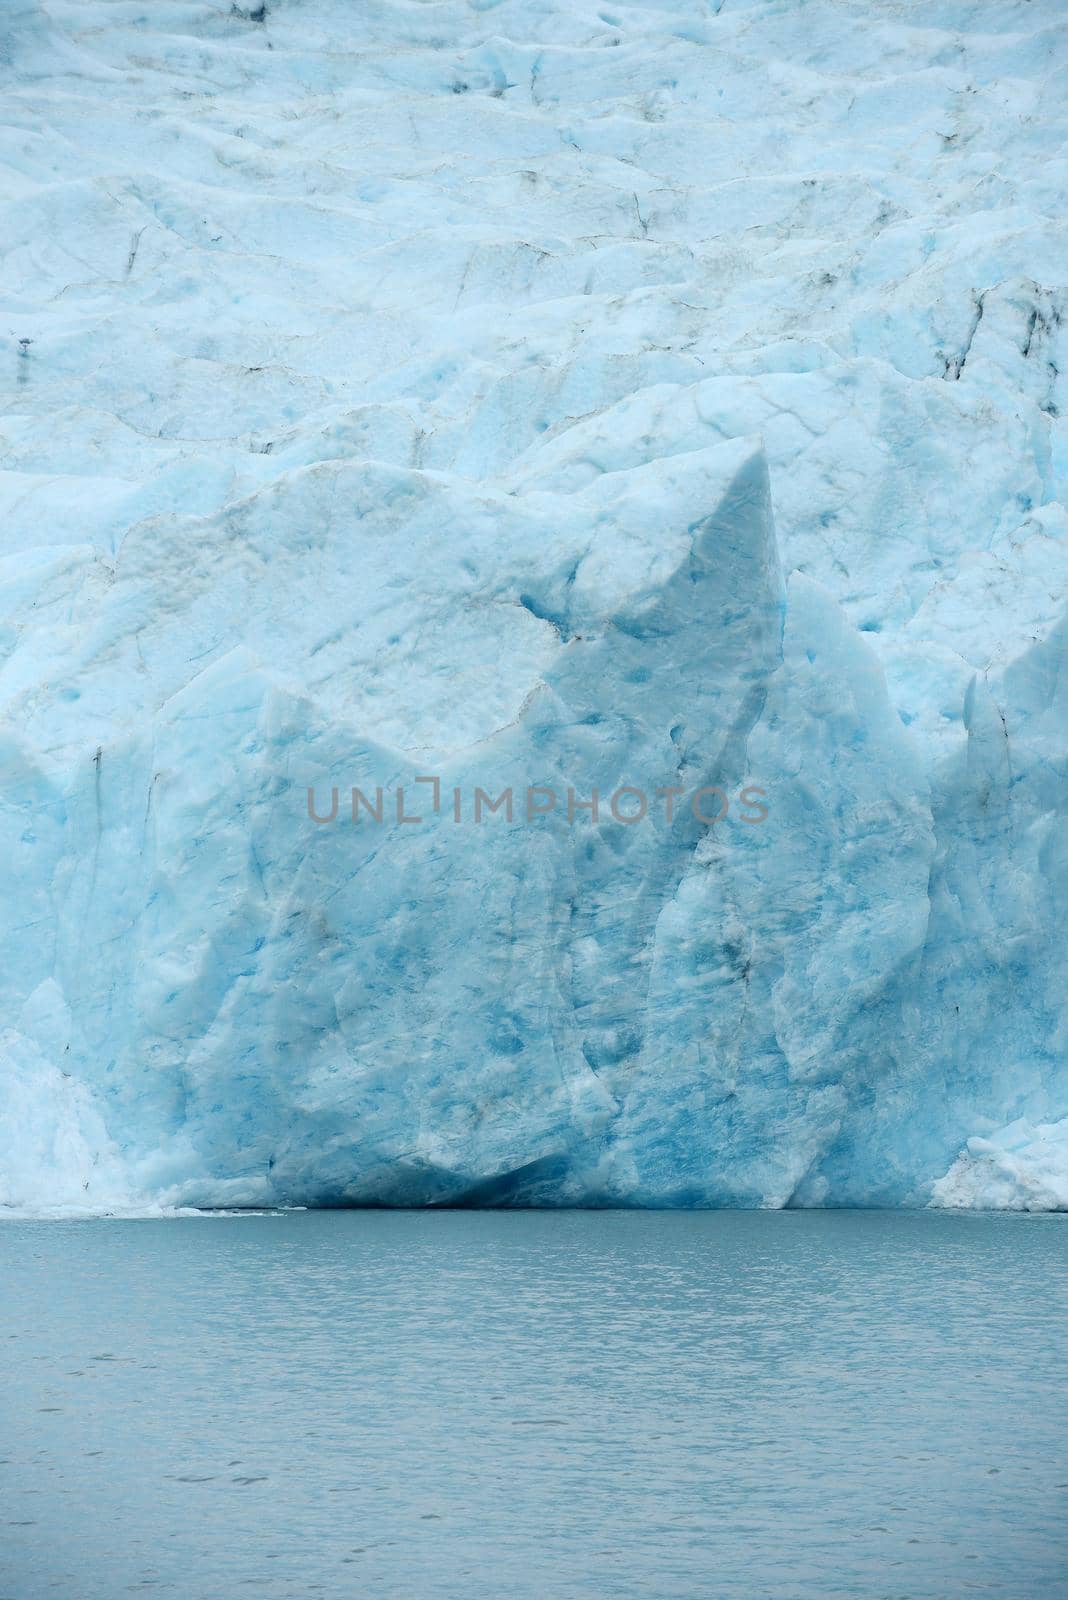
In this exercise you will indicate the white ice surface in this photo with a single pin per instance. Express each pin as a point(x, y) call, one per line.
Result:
point(1019, 1168)
point(533, 392)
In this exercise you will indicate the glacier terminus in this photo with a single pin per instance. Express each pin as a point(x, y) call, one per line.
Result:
point(661, 397)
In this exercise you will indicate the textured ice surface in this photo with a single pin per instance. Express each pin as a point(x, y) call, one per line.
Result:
point(1019, 1168)
point(555, 394)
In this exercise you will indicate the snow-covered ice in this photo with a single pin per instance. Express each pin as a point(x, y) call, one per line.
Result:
point(533, 393)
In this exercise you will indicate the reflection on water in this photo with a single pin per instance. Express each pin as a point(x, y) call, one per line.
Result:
point(720, 1406)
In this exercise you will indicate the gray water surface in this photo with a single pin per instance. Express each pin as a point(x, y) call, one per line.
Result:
point(713, 1406)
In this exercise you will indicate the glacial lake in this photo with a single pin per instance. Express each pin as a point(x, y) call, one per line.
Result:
point(436, 1405)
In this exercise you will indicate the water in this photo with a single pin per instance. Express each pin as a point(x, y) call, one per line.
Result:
point(722, 1406)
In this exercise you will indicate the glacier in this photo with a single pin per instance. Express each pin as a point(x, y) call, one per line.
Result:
point(486, 395)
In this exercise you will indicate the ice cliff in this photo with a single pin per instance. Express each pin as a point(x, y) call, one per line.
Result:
point(658, 398)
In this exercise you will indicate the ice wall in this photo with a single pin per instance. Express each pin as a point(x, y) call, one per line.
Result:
point(663, 398)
